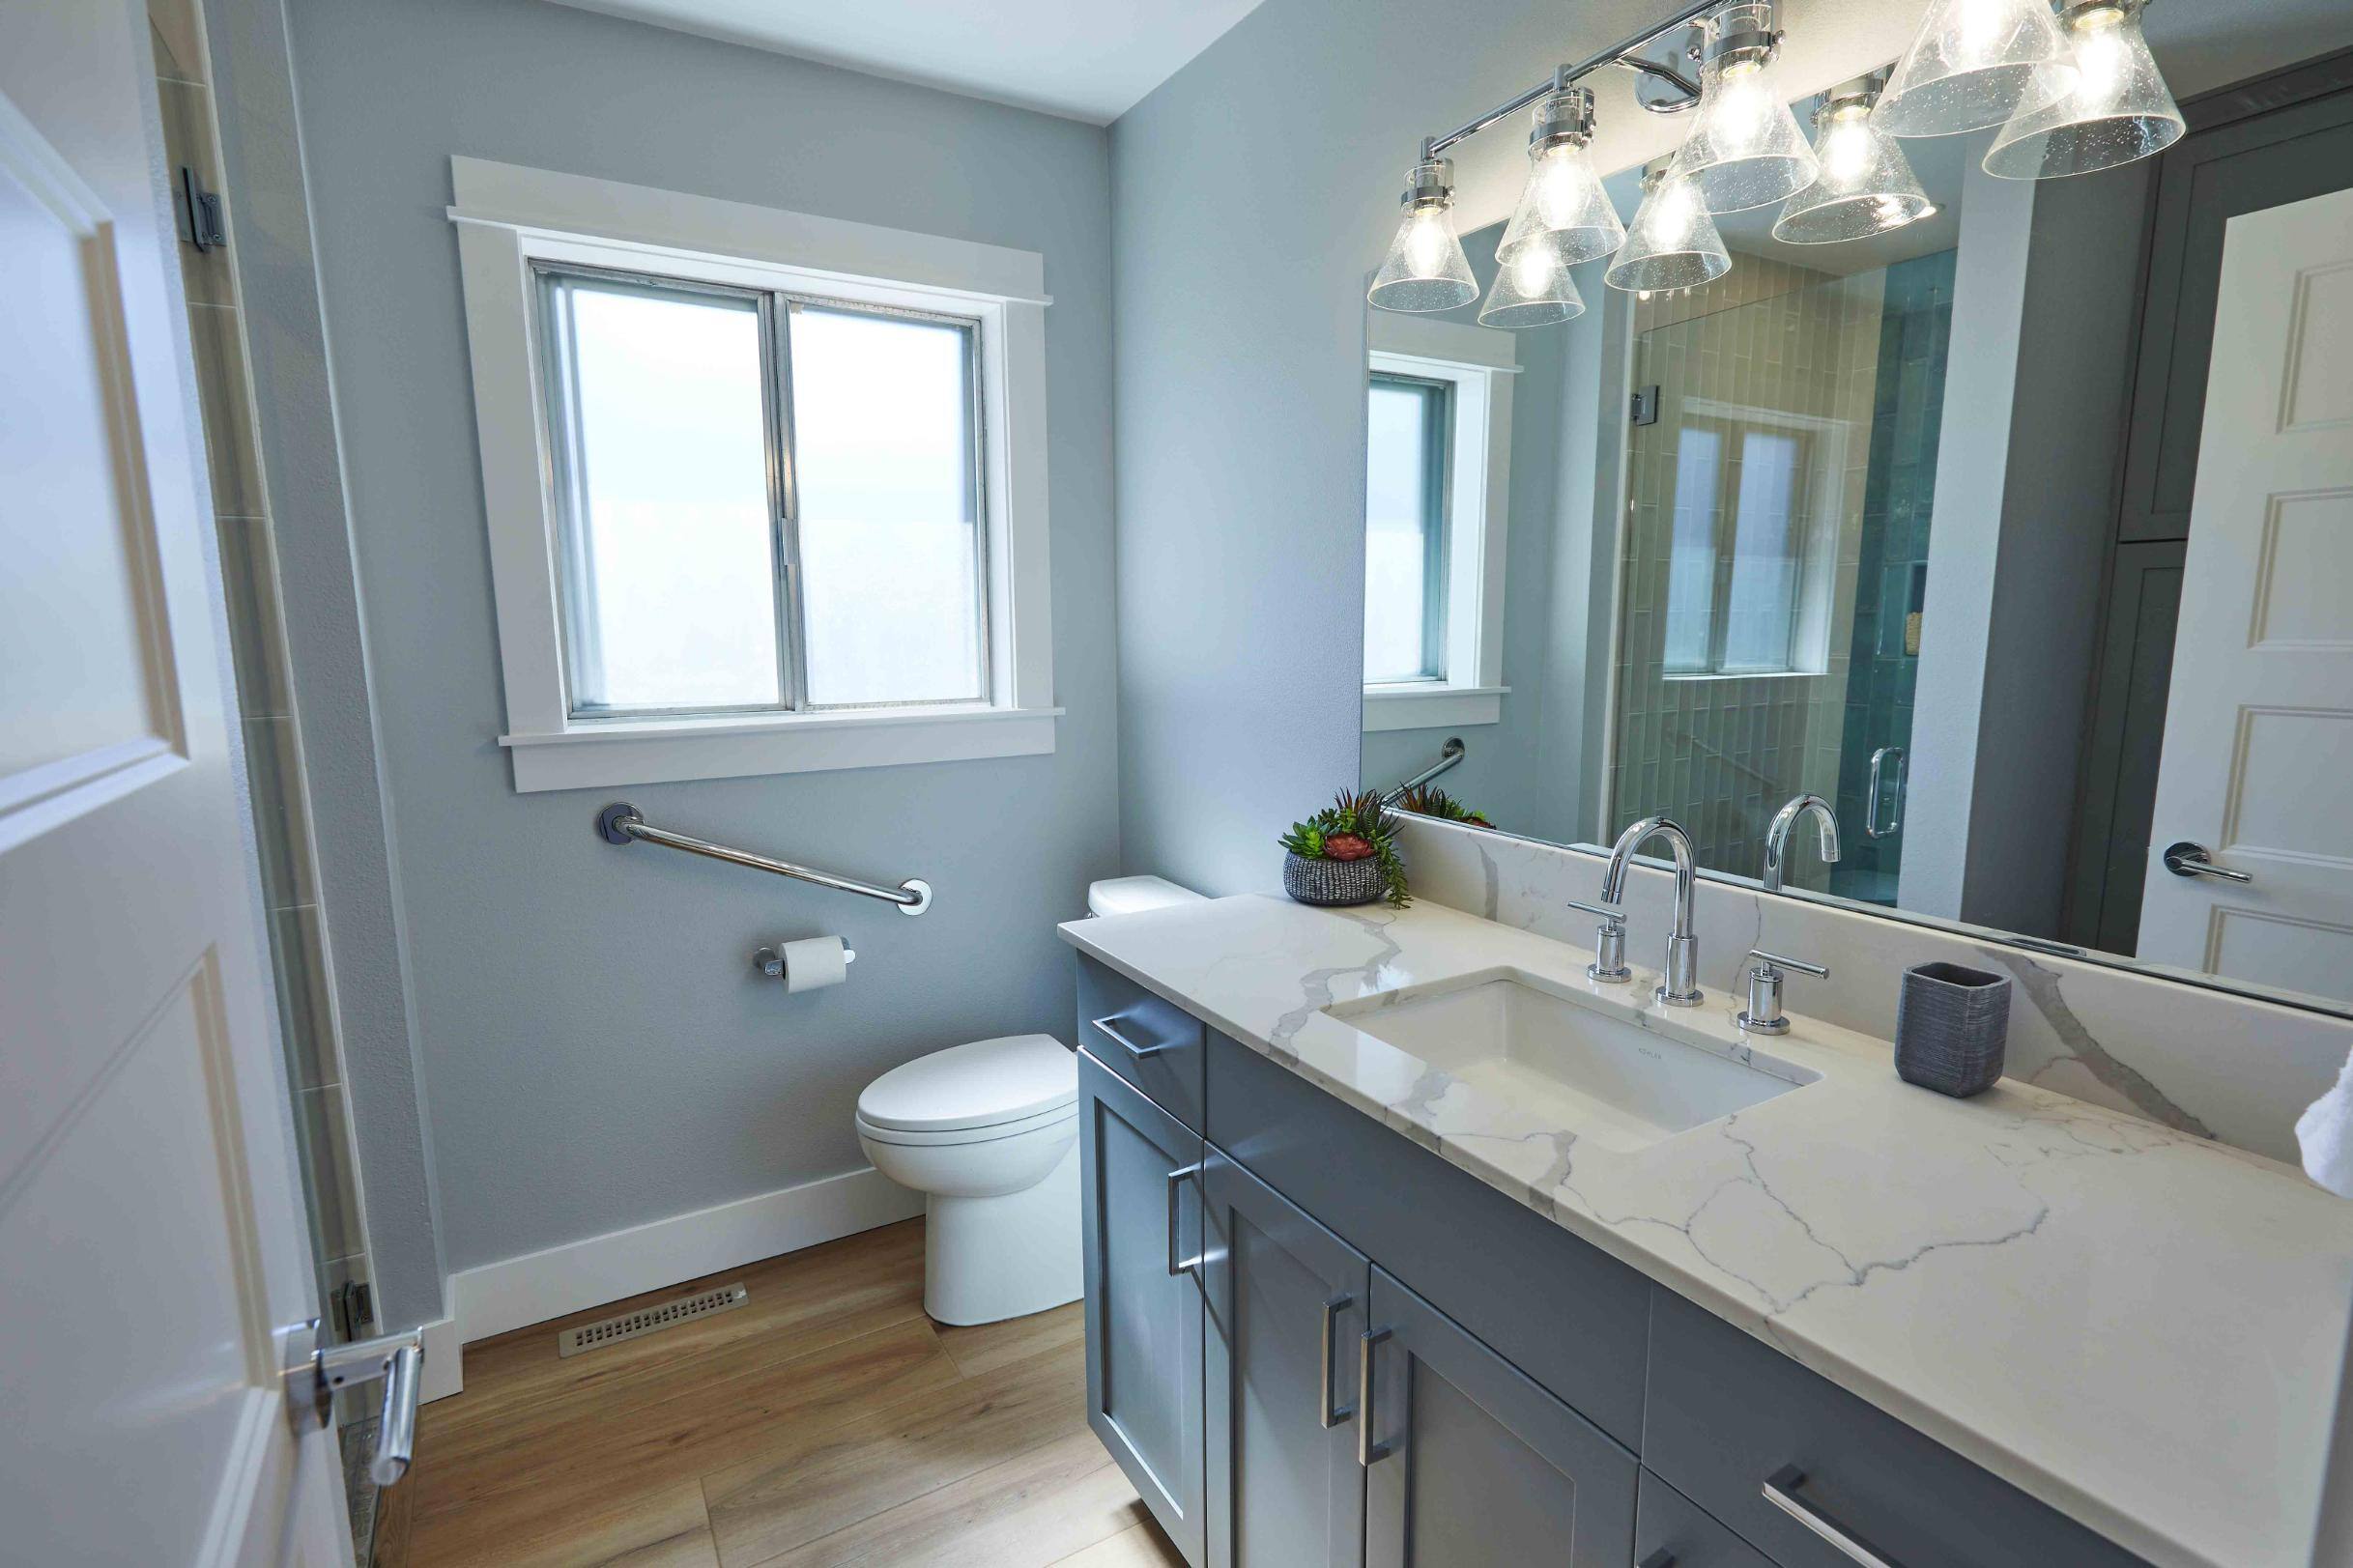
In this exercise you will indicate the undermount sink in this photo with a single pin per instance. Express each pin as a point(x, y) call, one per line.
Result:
point(1539, 1050)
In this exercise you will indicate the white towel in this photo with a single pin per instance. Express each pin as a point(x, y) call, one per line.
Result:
point(2325, 1131)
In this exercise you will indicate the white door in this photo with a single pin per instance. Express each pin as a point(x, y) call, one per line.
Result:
point(151, 1245)
point(2258, 747)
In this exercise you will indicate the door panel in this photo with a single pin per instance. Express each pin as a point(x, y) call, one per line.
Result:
point(1139, 1168)
point(151, 1221)
point(1287, 1301)
point(2259, 721)
point(1471, 1463)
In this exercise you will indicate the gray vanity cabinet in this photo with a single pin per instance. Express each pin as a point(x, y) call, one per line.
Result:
point(1141, 1207)
point(1470, 1463)
point(1287, 1304)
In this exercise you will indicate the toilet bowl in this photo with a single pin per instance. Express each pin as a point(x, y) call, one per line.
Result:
point(989, 1133)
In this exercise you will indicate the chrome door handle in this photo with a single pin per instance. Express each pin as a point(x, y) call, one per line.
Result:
point(1176, 1186)
point(1102, 1026)
point(1324, 1413)
point(2187, 859)
point(397, 1360)
point(1781, 1491)
point(1879, 761)
point(1368, 1452)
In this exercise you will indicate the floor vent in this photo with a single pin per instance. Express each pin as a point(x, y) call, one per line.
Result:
point(630, 1324)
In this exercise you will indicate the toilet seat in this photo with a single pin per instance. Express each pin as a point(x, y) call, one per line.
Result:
point(973, 1093)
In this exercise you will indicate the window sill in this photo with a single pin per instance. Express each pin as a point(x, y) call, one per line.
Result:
point(592, 755)
point(1430, 705)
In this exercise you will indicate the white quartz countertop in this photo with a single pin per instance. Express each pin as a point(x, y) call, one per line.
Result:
point(2142, 1328)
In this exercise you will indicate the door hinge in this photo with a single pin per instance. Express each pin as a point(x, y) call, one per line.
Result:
point(205, 229)
point(1644, 406)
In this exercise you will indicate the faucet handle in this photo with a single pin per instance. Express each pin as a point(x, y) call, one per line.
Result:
point(1763, 1015)
point(1608, 965)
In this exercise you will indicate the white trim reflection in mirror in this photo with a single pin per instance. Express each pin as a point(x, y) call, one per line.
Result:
point(1476, 365)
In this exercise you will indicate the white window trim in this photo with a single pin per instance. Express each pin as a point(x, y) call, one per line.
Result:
point(507, 217)
point(1481, 363)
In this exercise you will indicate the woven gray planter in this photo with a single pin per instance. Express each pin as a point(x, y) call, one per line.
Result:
point(1331, 883)
point(1952, 1024)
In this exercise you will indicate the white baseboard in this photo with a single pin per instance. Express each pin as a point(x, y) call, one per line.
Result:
point(562, 1280)
point(445, 1370)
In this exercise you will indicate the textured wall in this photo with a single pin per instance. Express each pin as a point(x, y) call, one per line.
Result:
point(596, 1051)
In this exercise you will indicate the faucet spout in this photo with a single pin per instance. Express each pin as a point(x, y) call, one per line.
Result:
point(1785, 821)
point(1680, 987)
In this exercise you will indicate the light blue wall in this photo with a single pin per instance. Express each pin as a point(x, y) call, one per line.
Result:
point(1252, 193)
point(596, 1051)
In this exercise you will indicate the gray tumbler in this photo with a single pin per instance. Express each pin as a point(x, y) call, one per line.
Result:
point(1951, 1025)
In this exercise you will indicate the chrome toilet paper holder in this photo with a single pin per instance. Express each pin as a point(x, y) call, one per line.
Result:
point(770, 963)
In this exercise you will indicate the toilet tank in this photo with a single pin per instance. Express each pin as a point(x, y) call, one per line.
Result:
point(1130, 895)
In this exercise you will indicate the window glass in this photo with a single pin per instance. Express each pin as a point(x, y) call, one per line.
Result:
point(661, 430)
point(1404, 530)
point(889, 517)
point(1761, 605)
point(1691, 560)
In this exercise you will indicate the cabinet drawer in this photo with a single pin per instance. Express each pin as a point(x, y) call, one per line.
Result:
point(1672, 1531)
point(1154, 1044)
point(1729, 1416)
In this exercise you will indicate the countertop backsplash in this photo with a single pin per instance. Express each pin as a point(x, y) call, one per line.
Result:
point(2188, 1056)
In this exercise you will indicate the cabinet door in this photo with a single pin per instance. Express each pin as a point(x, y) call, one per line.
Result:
point(1287, 1303)
point(1469, 1463)
point(1141, 1208)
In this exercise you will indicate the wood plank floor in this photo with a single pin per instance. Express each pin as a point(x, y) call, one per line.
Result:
point(826, 1422)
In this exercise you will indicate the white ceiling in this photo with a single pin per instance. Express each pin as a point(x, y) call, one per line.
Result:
point(1088, 60)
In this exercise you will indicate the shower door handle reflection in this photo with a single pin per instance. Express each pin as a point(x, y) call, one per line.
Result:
point(1885, 761)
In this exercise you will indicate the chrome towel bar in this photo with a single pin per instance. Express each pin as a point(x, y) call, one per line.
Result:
point(619, 823)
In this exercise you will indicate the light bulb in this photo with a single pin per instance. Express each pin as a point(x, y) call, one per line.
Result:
point(1562, 179)
point(2116, 107)
point(1532, 288)
point(1866, 185)
point(1673, 243)
point(1425, 269)
point(1427, 241)
point(1534, 267)
point(1973, 64)
point(1562, 202)
point(1745, 149)
point(1846, 149)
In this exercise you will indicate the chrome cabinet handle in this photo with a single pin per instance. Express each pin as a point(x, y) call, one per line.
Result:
point(1368, 1452)
point(1880, 759)
point(1176, 1186)
point(1102, 1026)
point(1324, 1413)
point(1781, 1491)
point(2187, 859)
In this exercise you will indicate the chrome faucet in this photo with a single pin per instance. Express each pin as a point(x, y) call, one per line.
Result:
point(1777, 837)
point(1682, 989)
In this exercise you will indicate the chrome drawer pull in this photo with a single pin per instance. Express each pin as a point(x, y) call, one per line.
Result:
point(1368, 1452)
point(1323, 1412)
point(1781, 1491)
point(1176, 1185)
point(1102, 1026)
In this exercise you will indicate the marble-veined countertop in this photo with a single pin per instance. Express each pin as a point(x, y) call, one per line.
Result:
point(2143, 1329)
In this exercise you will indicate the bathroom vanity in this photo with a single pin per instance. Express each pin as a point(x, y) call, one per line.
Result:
point(1408, 1242)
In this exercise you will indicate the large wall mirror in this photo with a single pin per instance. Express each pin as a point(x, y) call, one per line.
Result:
point(2018, 537)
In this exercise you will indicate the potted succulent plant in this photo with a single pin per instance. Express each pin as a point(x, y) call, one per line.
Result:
point(1431, 801)
point(1345, 854)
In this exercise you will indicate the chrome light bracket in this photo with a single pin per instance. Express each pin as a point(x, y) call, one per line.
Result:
point(1672, 76)
point(1850, 99)
point(1431, 184)
point(1741, 34)
point(2077, 15)
point(1565, 118)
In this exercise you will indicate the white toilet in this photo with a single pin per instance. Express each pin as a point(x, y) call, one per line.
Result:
point(989, 1133)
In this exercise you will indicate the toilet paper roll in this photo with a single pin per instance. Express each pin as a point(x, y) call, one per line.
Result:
point(812, 962)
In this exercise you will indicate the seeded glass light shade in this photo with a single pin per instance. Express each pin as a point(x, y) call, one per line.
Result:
point(1425, 269)
point(2118, 110)
point(1745, 149)
point(1564, 201)
point(1673, 243)
point(1973, 64)
point(1866, 187)
point(1532, 287)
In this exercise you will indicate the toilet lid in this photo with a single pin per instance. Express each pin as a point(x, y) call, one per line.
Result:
point(979, 1085)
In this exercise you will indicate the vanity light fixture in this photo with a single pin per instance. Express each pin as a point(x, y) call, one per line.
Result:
point(1425, 269)
point(1673, 243)
point(1973, 64)
point(2118, 108)
point(1531, 286)
point(1866, 185)
point(1562, 202)
point(1745, 149)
